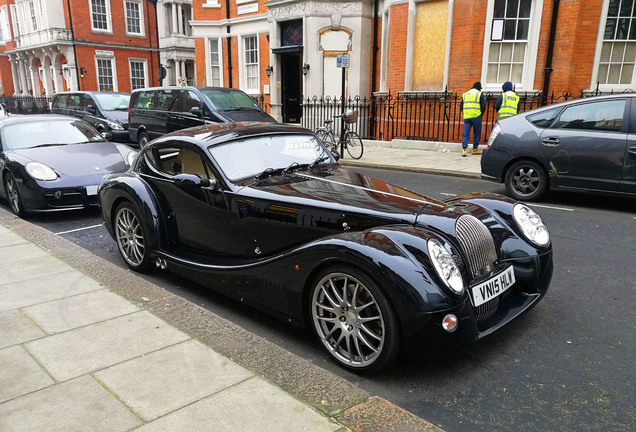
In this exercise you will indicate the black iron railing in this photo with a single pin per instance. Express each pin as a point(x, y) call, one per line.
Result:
point(27, 104)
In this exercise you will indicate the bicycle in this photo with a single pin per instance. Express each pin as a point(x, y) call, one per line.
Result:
point(350, 140)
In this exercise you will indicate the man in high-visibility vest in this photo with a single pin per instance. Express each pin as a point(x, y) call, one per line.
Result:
point(473, 105)
point(508, 103)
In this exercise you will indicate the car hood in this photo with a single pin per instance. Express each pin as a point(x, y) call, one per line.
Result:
point(78, 159)
point(119, 115)
point(354, 193)
point(245, 115)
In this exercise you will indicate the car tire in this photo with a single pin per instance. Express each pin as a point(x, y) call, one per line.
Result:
point(526, 181)
point(14, 196)
point(142, 139)
point(132, 237)
point(354, 320)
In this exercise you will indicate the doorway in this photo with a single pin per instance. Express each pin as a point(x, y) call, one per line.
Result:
point(291, 87)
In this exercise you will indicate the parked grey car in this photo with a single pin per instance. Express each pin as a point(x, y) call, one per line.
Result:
point(587, 144)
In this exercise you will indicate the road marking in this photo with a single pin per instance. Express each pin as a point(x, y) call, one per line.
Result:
point(551, 207)
point(79, 229)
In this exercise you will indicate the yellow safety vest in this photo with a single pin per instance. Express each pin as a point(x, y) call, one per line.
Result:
point(509, 104)
point(471, 108)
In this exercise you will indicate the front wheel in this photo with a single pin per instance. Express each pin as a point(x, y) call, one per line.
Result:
point(13, 195)
point(142, 139)
point(354, 145)
point(526, 181)
point(325, 136)
point(354, 320)
point(132, 237)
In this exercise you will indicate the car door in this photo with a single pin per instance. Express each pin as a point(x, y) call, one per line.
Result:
point(181, 115)
point(197, 218)
point(585, 147)
point(628, 179)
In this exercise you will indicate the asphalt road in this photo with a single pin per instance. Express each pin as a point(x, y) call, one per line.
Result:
point(568, 365)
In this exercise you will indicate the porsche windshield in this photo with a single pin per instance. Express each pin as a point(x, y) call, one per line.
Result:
point(41, 133)
point(249, 157)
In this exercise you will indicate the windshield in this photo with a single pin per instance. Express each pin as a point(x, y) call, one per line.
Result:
point(250, 157)
point(41, 133)
point(112, 101)
point(223, 100)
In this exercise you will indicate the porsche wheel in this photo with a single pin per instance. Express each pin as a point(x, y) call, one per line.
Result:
point(132, 238)
point(526, 181)
point(13, 195)
point(354, 321)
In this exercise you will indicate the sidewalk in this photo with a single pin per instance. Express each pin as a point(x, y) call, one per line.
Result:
point(87, 345)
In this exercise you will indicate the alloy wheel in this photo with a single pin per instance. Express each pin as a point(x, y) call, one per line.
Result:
point(130, 237)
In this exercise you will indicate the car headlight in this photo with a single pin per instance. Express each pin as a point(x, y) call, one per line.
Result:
point(531, 225)
point(130, 158)
point(115, 126)
point(445, 266)
point(39, 171)
point(493, 134)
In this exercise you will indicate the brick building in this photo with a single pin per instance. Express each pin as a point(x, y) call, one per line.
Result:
point(57, 45)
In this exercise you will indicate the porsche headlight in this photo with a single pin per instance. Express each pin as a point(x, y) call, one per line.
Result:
point(39, 171)
point(531, 225)
point(445, 266)
point(130, 158)
point(115, 126)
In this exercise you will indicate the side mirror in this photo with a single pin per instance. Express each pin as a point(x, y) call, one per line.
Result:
point(91, 109)
point(196, 111)
point(106, 135)
point(193, 181)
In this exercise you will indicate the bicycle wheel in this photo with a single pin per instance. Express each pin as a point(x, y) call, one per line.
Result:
point(354, 145)
point(325, 136)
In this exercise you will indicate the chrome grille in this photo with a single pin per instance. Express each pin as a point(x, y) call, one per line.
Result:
point(486, 310)
point(477, 243)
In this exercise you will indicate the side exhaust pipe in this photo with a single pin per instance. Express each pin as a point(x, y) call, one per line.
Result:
point(161, 263)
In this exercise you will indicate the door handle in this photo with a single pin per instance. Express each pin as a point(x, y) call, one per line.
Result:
point(631, 149)
point(551, 141)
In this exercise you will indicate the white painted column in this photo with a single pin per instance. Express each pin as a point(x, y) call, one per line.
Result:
point(175, 27)
point(15, 73)
point(23, 75)
point(180, 17)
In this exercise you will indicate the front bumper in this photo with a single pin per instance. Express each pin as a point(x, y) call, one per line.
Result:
point(42, 196)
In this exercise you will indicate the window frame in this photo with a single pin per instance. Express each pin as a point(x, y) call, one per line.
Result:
point(109, 17)
point(113, 67)
point(142, 29)
point(245, 77)
point(532, 47)
point(219, 45)
point(600, 39)
point(144, 64)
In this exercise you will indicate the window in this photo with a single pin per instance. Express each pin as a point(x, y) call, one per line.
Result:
point(33, 16)
point(211, 4)
point(545, 118)
point(3, 37)
point(134, 17)
point(596, 116)
point(137, 74)
point(215, 64)
point(15, 21)
point(100, 15)
point(105, 75)
point(250, 51)
point(618, 46)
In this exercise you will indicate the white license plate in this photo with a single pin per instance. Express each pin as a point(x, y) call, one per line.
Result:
point(91, 190)
point(494, 286)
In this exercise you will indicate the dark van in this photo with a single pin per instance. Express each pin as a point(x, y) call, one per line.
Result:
point(106, 111)
point(160, 110)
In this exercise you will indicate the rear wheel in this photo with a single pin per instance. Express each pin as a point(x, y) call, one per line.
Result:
point(354, 320)
point(132, 237)
point(13, 195)
point(526, 181)
point(354, 145)
point(142, 139)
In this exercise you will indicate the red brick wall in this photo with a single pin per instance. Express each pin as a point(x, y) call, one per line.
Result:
point(396, 52)
point(199, 50)
point(574, 47)
point(467, 44)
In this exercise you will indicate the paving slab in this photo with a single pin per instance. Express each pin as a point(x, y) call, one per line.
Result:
point(17, 328)
point(32, 269)
point(21, 252)
point(80, 405)
point(253, 405)
point(80, 310)
point(190, 371)
point(9, 238)
point(20, 374)
point(97, 346)
point(26, 291)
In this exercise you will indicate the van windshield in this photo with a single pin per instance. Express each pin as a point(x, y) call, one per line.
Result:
point(226, 100)
point(113, 101)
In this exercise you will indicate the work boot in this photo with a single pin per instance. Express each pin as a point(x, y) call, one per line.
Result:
point(477, 151)
point(464, 152)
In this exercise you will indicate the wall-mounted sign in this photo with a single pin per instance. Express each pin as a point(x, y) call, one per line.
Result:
point(105, 53)
point(343, 60)
point(248, 8)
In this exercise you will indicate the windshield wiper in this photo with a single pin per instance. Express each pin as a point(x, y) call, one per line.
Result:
point(267, 173)
point(239, 109)
point(49, 145)
point(318, 160)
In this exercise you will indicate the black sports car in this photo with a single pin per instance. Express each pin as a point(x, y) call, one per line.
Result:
point(265, 214)
point(53, 162)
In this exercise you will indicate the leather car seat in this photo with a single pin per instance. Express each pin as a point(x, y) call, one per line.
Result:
point(191, 163)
